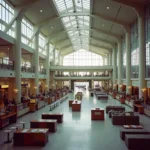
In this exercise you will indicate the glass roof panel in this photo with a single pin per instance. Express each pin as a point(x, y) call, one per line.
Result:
point(74, 25)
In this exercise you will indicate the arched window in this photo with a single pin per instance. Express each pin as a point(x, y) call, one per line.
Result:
point(83, 58)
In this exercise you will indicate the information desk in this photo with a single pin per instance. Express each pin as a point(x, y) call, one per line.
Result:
point(97, 114)
point(70, 103)
point(6, 119)
point(58, 117)
point(138, 108)
point(43, 123)
point(31, 137)
point(76, 105)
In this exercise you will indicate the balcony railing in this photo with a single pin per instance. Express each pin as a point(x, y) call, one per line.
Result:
point(6, 64)
point(42, 71)
point(82, 76)
point(29, 69)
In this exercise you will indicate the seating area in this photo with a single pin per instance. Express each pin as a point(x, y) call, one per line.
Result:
point(59, 122)
point(101, 95)
point(123, 119)
point(138, 142)
point(115, 108)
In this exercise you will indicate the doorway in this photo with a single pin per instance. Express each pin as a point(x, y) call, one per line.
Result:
point(81, 86)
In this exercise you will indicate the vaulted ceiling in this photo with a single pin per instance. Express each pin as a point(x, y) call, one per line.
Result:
point(71, 25)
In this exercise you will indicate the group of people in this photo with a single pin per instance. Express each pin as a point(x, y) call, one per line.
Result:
point(50, 93)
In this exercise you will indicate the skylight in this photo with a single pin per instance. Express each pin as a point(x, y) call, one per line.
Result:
point(77, 26)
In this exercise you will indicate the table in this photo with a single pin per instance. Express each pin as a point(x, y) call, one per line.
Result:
point(58, 116)
point(6, 119)
point(43, 123)
point(97, 114)
point(138, 108)
point(31, 137)
point(76, 105)
point(133, 126)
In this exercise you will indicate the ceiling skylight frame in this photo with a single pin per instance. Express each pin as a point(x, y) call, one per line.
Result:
point(77, 23)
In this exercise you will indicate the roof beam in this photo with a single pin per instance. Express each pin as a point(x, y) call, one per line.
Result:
point(99, 53)
point(102, 40)
point(138, 5)
point(39, 26)
point(96, 16)
point(111, 20)
point(117, 37)
point(91, 38)
point(102, 47)
point(18, 14)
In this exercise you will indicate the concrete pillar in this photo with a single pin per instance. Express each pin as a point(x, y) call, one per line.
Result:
point(141, 35)
point(69, 84)
point(128, 62)
point(53, 62)
point(119, 67)
point(18, 61)
point(36, 62)
point(110, 58)
point(114, 66)
point(47, 65)
point(92, 84)
point(54, 84)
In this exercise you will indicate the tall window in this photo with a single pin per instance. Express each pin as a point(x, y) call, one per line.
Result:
point(134, 50)
point(27, 32)
point(6, 15)
point(83, 58)
point(147, 38)
point(42, 48)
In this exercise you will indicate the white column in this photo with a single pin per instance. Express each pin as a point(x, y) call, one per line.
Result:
point(69, 84)
point(114, 65)
point(141, 35)
point(53, 57)
point(128, 62)
point(119, 65)
point(54, 84)
point(18, 60)
point(107, 59)
point(36, 62)
point(110, 58)
point(47, 67)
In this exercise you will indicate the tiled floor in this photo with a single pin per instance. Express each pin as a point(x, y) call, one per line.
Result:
point(78, 132)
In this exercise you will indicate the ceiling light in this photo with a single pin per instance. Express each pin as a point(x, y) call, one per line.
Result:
point(41, 10)
point(107, 7)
